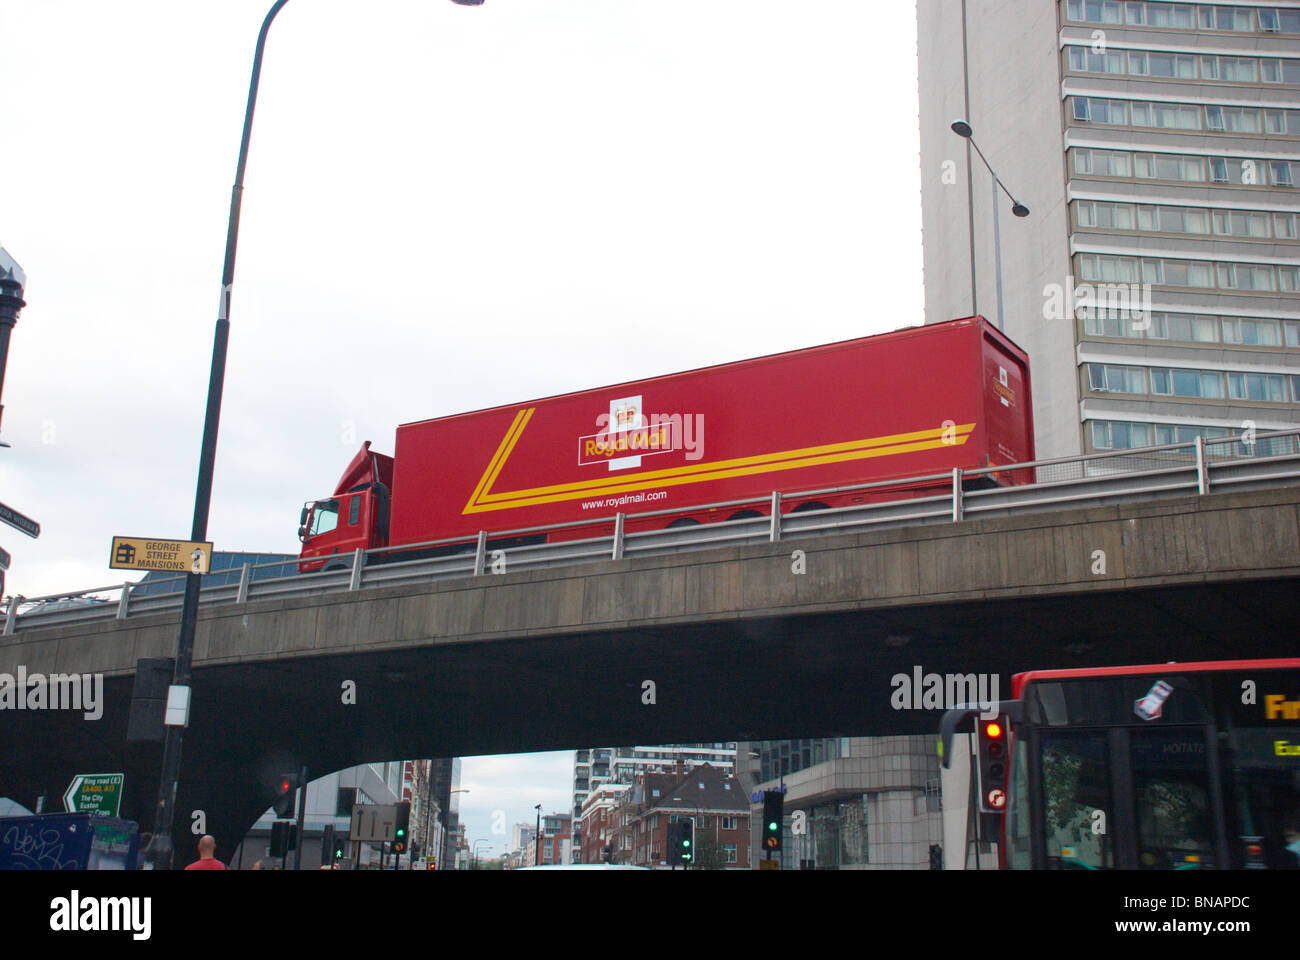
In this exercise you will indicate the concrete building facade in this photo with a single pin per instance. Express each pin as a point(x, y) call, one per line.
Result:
point(1156, 282)
point(851, 803)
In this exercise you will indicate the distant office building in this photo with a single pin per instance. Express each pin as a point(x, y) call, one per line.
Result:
point(444, 778)
point(867, 803)
point(1156, 282)
point(522, 836)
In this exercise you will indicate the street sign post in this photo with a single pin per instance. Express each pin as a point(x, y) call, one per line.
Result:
point(373, 823)
point(4, 559)
point(174, 556)
point(19, 522)
point(98, 793)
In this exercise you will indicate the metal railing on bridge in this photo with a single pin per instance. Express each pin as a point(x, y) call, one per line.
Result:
point(1197, 467)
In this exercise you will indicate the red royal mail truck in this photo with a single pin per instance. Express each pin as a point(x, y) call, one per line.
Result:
point(921, 400)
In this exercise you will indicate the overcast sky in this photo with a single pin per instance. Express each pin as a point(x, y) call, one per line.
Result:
point(445, 208)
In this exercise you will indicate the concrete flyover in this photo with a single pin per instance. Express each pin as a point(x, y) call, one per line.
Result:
point(788, 639)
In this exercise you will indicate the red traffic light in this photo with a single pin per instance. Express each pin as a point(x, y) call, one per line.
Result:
point(993, 730)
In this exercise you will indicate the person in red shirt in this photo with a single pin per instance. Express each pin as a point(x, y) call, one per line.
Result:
point(206, 860)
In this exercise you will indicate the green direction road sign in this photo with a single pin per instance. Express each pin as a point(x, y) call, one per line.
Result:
point(99, 793)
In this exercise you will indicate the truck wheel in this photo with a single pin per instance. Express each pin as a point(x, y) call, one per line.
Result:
point(683, 522)
point(810, 505)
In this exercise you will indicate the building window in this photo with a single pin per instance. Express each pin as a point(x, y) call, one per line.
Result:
point(1262, 333)
point(1162, 166)
point(1281, 171)
point(728, 823)
point(1186, 383)
point(1190, 328)
point(1240, 223)
point(1108, 435)
point(1098, 110)
point(1114, 378)
point(1260, 387)
point(1102, 163)
point(1094, 11)
point(346, 798)
point(1246, 276)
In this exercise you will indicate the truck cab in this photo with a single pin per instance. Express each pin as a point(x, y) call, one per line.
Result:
point(355, 517)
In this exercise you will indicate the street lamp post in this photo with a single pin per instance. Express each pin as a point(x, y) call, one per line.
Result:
point(12, 281)
point(537, 861)
point(161, 848)
point(963, 129)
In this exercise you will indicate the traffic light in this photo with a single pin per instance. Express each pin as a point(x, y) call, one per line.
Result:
point(936, 857)
point(401, 827)
point(286, 789)
point(685, 840)
point(284, 837)
point(331, 846)
point(773, 816)
point(991, 739)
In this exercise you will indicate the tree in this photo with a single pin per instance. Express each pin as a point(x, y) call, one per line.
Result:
point(708, 851)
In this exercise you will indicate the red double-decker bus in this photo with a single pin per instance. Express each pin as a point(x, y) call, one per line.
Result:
point(1167, 766)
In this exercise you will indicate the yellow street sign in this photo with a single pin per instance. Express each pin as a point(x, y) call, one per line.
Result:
point(175, 556)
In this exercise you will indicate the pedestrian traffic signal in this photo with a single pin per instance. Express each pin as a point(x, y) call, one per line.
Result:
point(991, 741)
point(773, 816)
point(685, 840)
point(286, 789)
point(331, 846)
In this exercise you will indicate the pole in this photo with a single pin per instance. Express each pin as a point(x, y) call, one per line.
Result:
point(164, 851)
point(970, 176)
point(997, 246)
point(302, 819)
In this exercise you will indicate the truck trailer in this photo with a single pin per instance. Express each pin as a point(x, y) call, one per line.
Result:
point(915, 402)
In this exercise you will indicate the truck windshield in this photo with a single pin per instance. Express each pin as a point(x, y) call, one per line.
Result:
point(324, 517)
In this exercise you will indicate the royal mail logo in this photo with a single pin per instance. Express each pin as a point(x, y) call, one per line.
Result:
point(1003, 389)
point(625, 435)
point(600, 447)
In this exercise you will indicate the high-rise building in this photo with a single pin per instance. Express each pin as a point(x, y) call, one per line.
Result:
point(1155, 282)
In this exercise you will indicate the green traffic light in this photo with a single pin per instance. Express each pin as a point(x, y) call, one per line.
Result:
point(772, 827)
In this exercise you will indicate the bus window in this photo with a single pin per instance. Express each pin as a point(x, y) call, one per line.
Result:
point(1077, 801)
point(1171, 792)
